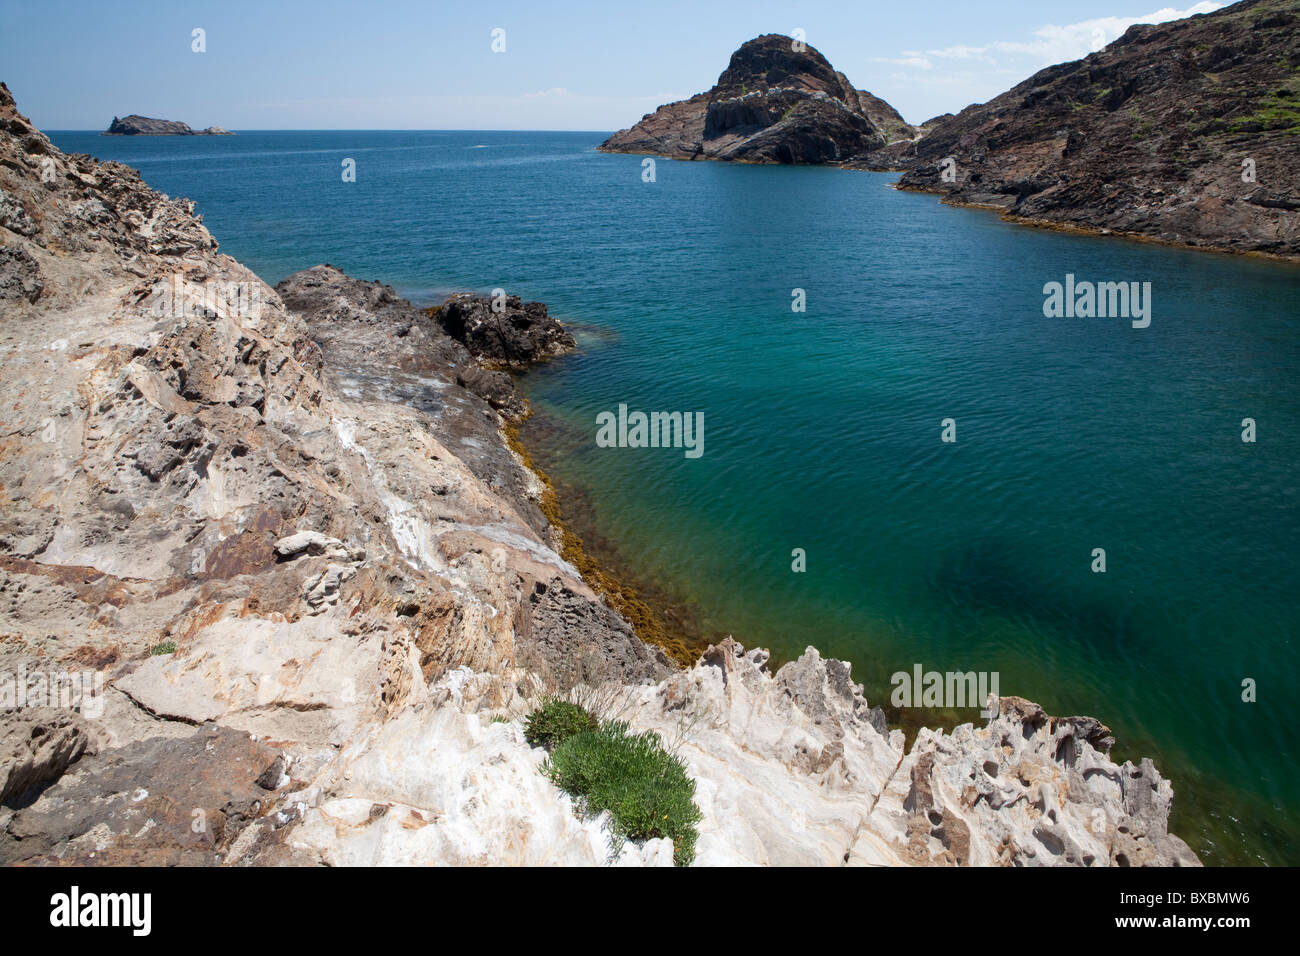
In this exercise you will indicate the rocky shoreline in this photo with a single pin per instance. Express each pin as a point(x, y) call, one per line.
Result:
point(284, 536)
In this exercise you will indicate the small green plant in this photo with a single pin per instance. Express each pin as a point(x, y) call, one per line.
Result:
point(555, 721)
point(166, 647)
point(646, 789)
point(499, 719)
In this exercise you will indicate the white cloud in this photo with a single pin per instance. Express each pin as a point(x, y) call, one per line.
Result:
point(931, 80)
point(1057, 44)
point(962, 53)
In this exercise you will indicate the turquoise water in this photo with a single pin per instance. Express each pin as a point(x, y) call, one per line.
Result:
point(822, 428)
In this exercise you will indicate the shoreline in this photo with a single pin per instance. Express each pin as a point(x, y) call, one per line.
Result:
point(648, 619)
point(1099, 232)
point(1096, 232)
point(380, 588)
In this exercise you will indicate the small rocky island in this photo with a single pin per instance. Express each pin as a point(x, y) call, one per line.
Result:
point(135, 125)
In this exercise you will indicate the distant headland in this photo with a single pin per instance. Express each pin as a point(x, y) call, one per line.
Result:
point(135, 125)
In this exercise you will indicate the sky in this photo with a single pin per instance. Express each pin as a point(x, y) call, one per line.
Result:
point(566, 64)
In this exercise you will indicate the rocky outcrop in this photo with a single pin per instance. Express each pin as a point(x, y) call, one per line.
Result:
point(792, 768)
point(20, 276)
point(795, 768)
point(502, 332)
point(311, 506)
point(374, 337)
point(1187, 132)
point(285, 533)
point(36, 745)
point(158, 801)
point(135, 125)
point(778, 101)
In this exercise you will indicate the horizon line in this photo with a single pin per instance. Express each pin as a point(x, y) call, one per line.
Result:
point(305, 129)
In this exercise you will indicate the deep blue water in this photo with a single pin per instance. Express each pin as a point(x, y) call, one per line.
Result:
point(822, 428)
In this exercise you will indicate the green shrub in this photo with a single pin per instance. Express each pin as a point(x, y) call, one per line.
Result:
point(556, 721)
point(646, 790)
point(166, 647)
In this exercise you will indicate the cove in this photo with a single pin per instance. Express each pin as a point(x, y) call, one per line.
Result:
point(822, 425)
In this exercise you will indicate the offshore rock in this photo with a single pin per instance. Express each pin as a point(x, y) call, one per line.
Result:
point(135, 125)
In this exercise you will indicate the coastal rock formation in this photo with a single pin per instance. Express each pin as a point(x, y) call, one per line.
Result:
point(502, 331)
point(171, 433)
point(366, 326)
point(135, 125)
point(286, 532)
point(792, 769)
point(775, 103)
point(1187, 131)
point(158, 801)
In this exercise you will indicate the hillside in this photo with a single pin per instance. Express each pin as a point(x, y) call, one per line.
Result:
point(1187, 132)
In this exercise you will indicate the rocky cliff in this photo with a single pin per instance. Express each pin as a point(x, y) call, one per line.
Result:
point(135, 125)
point(274, 589)
point(776, 102)
point(1187, 132)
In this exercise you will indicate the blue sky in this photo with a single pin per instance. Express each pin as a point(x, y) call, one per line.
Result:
point(566, 65)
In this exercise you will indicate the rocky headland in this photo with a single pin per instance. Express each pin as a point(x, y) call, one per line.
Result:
point(777, 101)
point(316, 588)
point(135, 125)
